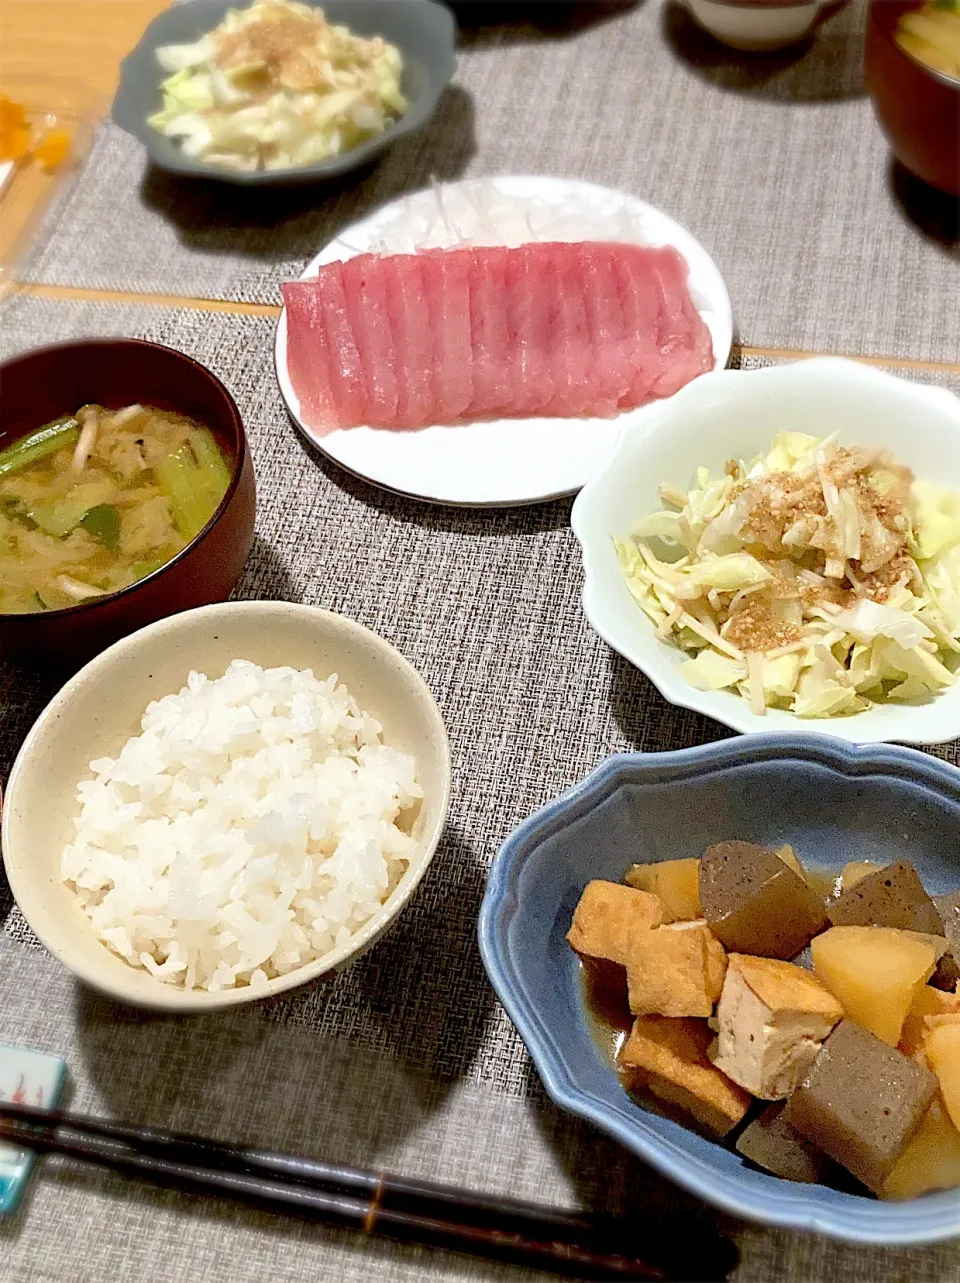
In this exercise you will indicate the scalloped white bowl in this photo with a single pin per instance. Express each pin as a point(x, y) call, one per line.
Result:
point(735, 414)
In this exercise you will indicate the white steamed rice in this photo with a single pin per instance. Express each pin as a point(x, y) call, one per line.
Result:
point(250, 828)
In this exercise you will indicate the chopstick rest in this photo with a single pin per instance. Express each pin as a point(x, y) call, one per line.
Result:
point(26, 1078)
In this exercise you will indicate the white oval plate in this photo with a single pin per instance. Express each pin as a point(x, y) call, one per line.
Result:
point(503, 461)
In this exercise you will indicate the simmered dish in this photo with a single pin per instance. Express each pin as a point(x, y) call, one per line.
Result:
point(849, 1067)
point(817, 578)
point(94, 502)
point(931, 34)
point(276, 86)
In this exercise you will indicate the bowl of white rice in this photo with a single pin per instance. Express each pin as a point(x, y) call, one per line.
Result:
point(226, 805)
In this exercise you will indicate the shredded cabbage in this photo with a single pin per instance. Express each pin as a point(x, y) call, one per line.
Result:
point(276, 86)
point(815, 578)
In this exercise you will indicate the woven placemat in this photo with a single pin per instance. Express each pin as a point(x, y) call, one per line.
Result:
point(775, 163)
point(405, 1059)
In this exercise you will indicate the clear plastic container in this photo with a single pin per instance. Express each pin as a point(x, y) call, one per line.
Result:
point(27, 186)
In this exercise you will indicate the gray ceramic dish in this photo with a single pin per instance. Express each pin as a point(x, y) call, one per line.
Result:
point(424, 33)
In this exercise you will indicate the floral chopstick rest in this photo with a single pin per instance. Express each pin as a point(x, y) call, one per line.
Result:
point(26, 1078)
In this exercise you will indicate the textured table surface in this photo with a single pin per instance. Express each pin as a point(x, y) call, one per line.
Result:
point(406, 1060)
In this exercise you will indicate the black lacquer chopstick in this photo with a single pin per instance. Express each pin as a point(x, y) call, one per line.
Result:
point(504, 1229)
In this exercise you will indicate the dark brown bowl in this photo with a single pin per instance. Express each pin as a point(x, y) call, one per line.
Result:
point(918, 108)
point(53, 381)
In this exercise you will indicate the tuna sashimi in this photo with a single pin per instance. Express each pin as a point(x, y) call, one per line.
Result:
point(682, 339)
point(446, 336)
point(612, 348)
point(417, 404)
point(572, 359)
point(691, 348)
point(372, 318)
point(345, 370)
point(446, 282)
point(309, 370)
point(531, 319)
point(493, 392)
point(642, 299)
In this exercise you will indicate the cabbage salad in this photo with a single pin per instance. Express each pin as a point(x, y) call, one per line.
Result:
point(276, 86)
point(817, 578)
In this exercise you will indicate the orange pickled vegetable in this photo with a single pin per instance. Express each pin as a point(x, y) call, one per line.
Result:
point(14, 144)
point(53, 148)
point(16, 140)
point(14, 130)
point(12, 114)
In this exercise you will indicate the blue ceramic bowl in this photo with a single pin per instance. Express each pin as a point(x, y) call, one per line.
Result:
point(834, 802)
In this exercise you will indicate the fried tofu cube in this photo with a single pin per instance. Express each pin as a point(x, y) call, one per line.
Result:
point(608, 916)
point(862, 1103)
point(755, 903)
point(772, 1020)
point(669, 1058)
point(675, 970)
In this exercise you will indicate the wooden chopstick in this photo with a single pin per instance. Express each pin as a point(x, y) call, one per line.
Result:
point(500, 1228)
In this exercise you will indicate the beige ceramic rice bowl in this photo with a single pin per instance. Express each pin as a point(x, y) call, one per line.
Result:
point(99, 709)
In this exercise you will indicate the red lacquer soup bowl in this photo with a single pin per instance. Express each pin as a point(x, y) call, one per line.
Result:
point(917, 107)
point(52, 382)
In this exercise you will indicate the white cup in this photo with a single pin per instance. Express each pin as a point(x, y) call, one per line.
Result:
point(755, 27)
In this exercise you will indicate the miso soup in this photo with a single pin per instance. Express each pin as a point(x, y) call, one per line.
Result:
point(931, 35)
point(92, 503)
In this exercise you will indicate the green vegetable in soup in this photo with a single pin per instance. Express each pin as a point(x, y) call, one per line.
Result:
point(92, 504)
point(38, 445)
point(210, 460)
point(186, 485)
point(143, 568)
point(104, 522)
point(63, 515)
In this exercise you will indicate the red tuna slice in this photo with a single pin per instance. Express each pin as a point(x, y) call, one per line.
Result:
point(344, 361)
point(364, 286)
point(684, 338)
point(611, 345)
point(413, 339)
point(493, 390)
point(577, 378)
point(560, 320)
point(446, 287)
point(642, 300)
point(531, 318)
point(307, 357)
point(702, 355)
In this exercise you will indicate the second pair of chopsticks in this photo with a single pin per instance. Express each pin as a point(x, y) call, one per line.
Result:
point(499, 1228)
